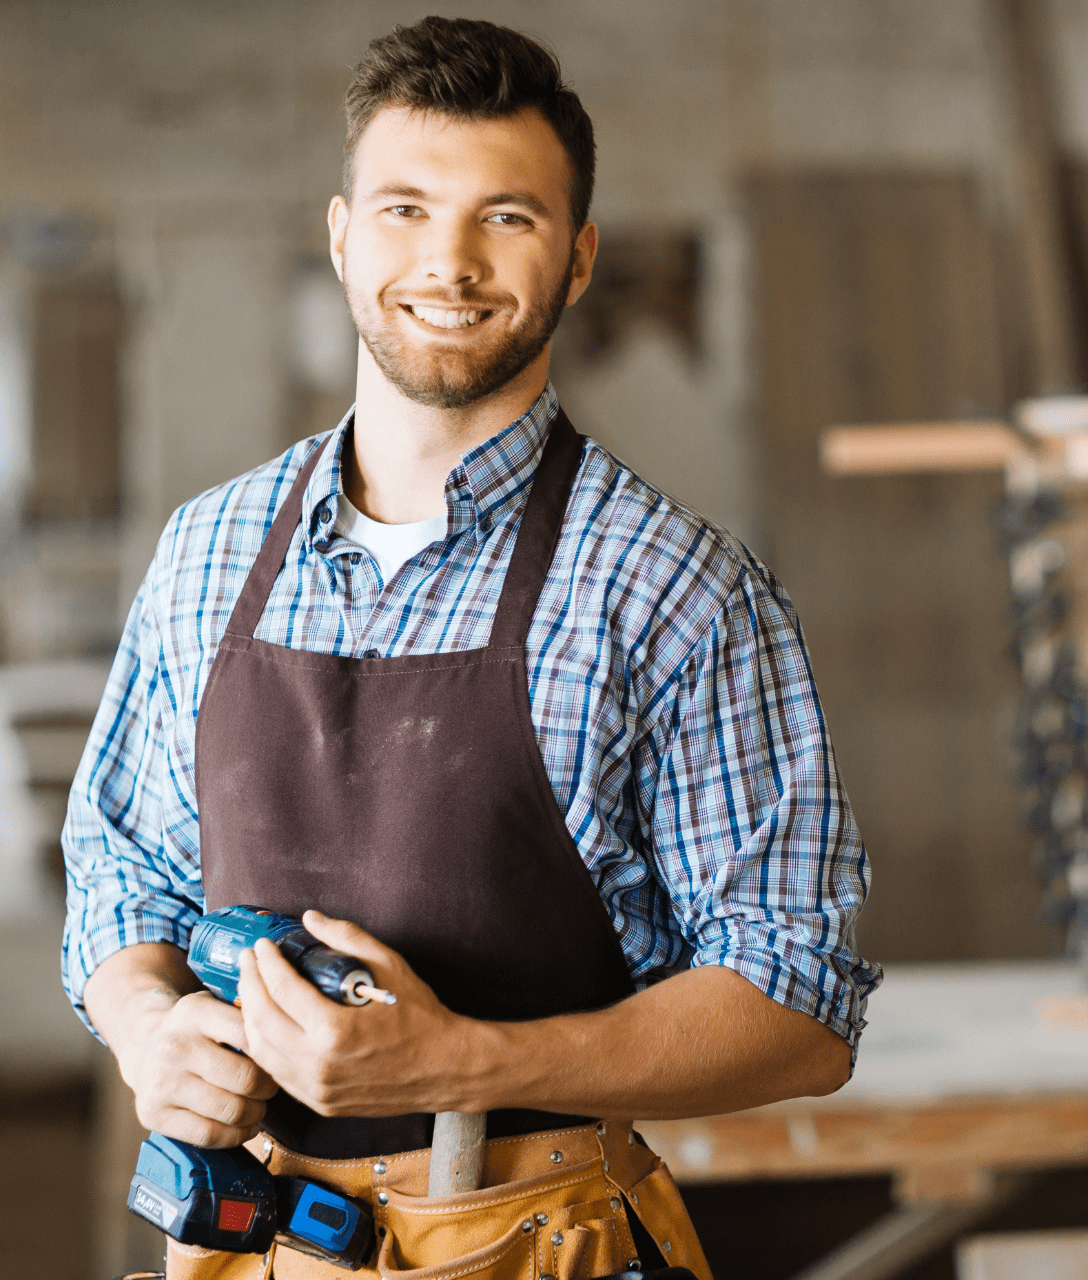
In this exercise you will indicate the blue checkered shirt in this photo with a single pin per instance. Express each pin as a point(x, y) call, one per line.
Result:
point(671, 697)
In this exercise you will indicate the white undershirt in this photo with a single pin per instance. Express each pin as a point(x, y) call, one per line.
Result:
point(390, 544)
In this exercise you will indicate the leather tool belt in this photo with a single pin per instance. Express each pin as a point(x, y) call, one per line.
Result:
point(551, 1206)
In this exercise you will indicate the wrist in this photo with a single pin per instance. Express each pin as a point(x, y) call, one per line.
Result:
point(501, 1066)
point(130, 1038)
point(130, 993)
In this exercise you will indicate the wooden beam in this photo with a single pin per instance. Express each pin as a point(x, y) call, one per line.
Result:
point(940, 1150)
point(1047, 299)
point(909, 447)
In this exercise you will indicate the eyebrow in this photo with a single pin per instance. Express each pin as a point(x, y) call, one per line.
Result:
point(523, 199)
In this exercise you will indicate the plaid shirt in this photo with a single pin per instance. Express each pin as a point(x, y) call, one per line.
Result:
point(670, 690)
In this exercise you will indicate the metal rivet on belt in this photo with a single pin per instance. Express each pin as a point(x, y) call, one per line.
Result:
point(616, 1204)
point(541, 1219)
point(527, 1225)
point(634, 1264)
point(631, 1138)
point(602, 1128)
point(267, 1147)
point(607, 1166)
point(557, 1157)
point(666, 1247)
point(379, 1168)
point(544, 1276)
point(557, 1237)
point(382, 1198)
point(634, 1198)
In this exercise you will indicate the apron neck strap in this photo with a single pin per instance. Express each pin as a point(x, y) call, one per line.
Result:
point(262, 577)
point(541, 522)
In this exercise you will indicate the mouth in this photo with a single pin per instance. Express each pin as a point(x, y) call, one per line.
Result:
point(441, 318)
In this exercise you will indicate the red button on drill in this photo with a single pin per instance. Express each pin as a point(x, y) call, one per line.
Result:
point(236, 1215)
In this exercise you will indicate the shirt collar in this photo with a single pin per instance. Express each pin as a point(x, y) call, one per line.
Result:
point(487, 483)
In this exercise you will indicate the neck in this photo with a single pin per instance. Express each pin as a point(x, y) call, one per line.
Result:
point(404, 451)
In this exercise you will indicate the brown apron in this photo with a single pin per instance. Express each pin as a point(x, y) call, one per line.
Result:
point(408, 794)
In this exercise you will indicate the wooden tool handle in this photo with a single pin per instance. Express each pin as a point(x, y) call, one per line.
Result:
point(457, 1153)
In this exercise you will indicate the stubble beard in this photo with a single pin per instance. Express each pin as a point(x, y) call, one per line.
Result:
point(454, 377)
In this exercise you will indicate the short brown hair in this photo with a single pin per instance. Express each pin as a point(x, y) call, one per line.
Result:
point(470, 69)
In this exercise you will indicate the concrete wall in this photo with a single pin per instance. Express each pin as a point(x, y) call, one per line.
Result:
point(203, 140)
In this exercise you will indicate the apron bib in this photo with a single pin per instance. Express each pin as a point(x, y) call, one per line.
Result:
point(406, 794)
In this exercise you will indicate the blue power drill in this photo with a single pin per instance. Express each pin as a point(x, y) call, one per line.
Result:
point(227, 1199)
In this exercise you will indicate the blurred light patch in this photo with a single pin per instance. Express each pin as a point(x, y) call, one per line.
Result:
point(322, 335)
point(47, 241)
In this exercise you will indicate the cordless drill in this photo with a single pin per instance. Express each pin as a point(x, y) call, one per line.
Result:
point(227, 1199)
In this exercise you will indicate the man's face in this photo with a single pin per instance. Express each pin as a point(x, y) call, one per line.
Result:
point(456, 253)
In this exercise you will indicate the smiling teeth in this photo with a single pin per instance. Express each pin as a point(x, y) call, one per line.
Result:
point(445, 319)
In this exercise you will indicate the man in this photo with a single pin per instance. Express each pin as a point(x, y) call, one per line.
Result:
point(541, 745)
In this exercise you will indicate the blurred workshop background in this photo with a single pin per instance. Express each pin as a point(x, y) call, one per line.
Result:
point(814, 213)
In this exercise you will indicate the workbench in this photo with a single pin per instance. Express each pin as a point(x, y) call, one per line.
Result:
point(970, 1077)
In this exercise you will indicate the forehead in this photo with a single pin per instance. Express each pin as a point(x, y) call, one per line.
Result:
point(431, 151)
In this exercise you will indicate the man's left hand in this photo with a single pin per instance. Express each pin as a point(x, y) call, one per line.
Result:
point(342, 1060)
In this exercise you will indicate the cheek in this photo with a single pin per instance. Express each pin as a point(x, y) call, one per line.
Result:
point(373, 261)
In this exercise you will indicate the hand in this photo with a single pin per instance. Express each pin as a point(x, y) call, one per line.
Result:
point(189, 1086)
point(342, 1060)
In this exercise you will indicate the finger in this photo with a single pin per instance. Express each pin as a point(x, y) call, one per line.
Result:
point(219, 1105)
point(235, 1073)
point(279, 983)
point(345, 936)
point(187, 1126)
point(216, 1020)
point(275, 1039)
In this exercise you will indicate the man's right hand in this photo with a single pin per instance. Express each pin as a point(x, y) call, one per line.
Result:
point(189, 1085)
point(170, 1038)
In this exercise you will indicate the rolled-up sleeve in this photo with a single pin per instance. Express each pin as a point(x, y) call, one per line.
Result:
point(122, 889)
point(752, 833)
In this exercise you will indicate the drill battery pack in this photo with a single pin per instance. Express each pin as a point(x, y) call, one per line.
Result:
point(227, 1199)
point(219, 1199)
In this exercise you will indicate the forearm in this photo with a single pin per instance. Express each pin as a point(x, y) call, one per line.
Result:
point(131, 992)
point(701, 1043)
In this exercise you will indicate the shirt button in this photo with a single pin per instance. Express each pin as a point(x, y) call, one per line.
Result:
point(355, 557)
point(325, 512)
point(321, 544)
point(484, 523)
point(372, 653)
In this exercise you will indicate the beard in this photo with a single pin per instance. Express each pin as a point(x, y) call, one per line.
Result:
point(454, 377)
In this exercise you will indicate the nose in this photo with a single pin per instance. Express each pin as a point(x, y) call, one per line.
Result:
point(454, 253)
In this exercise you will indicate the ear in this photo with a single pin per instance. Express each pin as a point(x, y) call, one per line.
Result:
point(339, 213)
point(585, 252)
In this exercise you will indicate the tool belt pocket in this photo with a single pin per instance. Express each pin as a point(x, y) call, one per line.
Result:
point(190, 1262)
point(565, 1226)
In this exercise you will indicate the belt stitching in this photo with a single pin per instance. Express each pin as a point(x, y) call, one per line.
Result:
point(481, 1204)
point(363, 1162)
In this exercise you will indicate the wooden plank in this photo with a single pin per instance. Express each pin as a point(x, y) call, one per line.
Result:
point(930, 1146)
point(912, 447)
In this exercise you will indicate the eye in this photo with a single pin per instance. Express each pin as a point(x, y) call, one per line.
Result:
point(508, 220)
point(406, 211)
